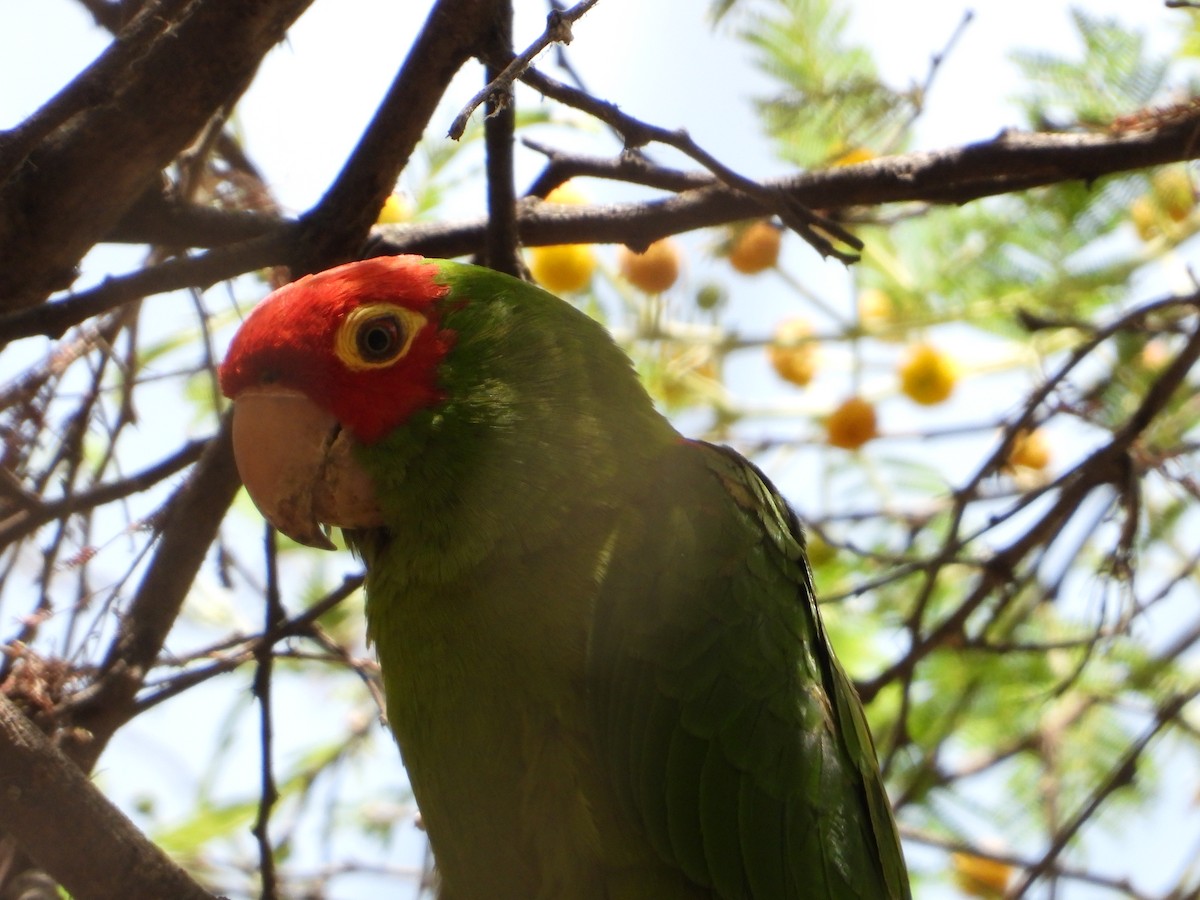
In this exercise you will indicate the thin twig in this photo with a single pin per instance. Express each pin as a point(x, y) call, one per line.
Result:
point(920, 836)
point(192, 519)
point(303, 625)
point(1120, 775)
point(26, 521)
point(637, 134)
point(630, 168)
point(1103, 466)
point(935, 64)
point(274, 615)
point(558, 31)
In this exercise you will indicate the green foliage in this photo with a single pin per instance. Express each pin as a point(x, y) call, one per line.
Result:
point(1113, 77)
point(830, 99)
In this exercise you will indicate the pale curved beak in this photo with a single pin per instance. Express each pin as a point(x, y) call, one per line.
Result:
point(298, 466)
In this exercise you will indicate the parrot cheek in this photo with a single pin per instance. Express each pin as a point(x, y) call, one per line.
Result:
point(298, 466)
point(343, 492)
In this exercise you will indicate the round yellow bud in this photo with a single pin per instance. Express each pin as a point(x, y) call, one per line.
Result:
point(928, 376)
point(852, 424)
point(756, 249)
point(562, 268)
point(792, 357)
point(653, 271)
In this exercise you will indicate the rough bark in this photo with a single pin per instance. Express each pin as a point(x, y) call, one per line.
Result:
point(111, 132)
point(69, 828)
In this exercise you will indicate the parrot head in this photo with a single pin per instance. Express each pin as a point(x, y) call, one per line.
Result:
point(332, 361)
point(400, 388)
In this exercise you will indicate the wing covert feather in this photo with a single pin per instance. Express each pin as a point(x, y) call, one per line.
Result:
point(728, 727)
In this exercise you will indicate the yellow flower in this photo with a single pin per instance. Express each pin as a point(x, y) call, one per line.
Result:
point(793, 358)
point(928, 376)
point(562, 268)
point(852, 424)
point(653, 271)
point(756, 249)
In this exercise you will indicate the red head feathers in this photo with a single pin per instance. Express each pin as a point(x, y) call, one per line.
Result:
point(361, 341)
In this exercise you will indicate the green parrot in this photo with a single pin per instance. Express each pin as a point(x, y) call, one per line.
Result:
point(603, 660)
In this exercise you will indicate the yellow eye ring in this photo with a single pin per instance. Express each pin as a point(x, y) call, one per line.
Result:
point(375, 335)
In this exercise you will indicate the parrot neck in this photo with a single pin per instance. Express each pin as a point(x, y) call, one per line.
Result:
point(533, 433)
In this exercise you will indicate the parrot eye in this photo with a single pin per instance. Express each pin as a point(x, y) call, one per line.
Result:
point(378, 339)
point(376, 335)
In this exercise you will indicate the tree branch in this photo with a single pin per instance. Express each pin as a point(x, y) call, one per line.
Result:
point(155, 219)
point(335, 229)
point(499, 126)
point(97, 84)
point(1010, 163)
point(636, 134)
point(47, 798)
point(53, 319)
point(108, 136)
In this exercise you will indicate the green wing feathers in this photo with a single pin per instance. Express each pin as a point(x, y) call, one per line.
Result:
point(730, 732)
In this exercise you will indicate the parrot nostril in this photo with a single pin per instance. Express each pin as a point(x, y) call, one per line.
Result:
point(331, 437)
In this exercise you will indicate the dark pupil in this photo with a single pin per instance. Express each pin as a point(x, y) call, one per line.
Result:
point(379, 339)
